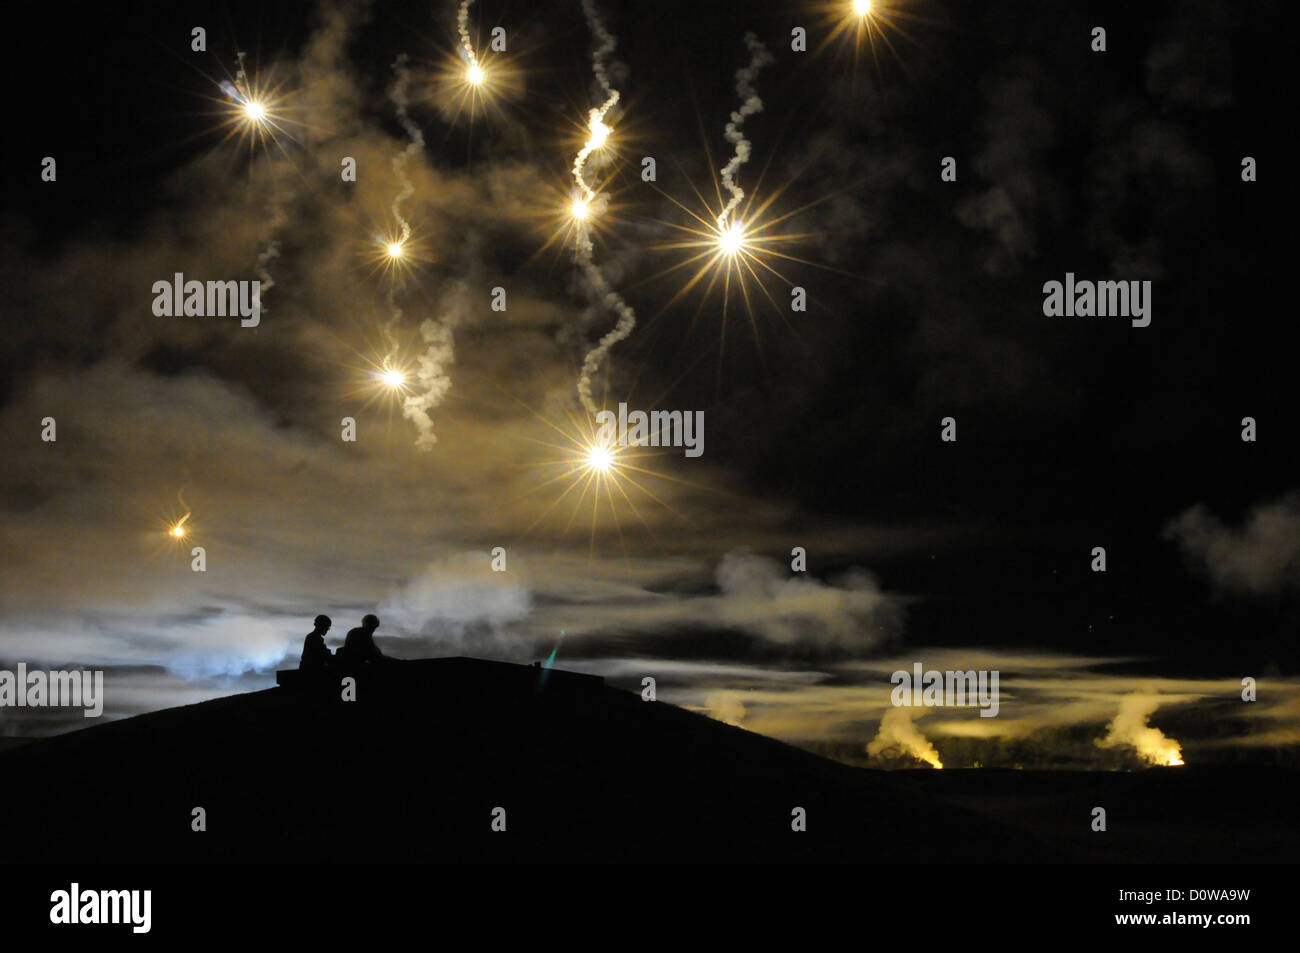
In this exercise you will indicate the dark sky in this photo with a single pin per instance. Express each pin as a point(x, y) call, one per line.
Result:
point(822, 428)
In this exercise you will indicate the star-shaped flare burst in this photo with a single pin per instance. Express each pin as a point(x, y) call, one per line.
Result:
point(597, 476)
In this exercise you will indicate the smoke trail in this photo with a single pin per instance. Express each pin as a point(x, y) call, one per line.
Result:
point(462, 26)
point(416, 144)
point(432, 380)
point(746, 77)
point(229, 89)
point(241, 93)
point(1130, 728)
point(241, 78)
point(603, 296)
point(265, 281)
point(897, 733)
point(180, 495)
point(400, 162)
point(604, 48)
point(596, 356)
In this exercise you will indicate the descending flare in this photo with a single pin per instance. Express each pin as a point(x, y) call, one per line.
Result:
point(602, 295)
point(475, 72)
point(731, 239)
point(402, 158)
point(599, 458)
point(395, 248)
point(178, 529)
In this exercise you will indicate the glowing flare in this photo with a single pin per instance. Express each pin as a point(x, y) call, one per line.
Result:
point(178, 531)
point(393, 377)
point(395, 250)
point(599, 459)
point(254, 111)
point(731, 239)
point(599, 133)
point(579, 210)
point(475, 75)
point(862, 7)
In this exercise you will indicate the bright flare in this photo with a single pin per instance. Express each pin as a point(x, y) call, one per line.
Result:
point(579, 210)
point(731, 239)
point(475, 75)
point(178, 530)
point(254, 111)
point(862, 7)
point(599, 459)
point(393, 377)
point(599, 133)
point(395, 250)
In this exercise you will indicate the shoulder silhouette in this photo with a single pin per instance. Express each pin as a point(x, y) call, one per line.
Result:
point(359, 647)
point(315, 654)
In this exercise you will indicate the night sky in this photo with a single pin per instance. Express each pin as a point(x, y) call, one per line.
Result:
point(822, 428)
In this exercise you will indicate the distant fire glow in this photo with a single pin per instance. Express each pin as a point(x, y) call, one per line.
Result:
point(899, 738)
point(1130, 729)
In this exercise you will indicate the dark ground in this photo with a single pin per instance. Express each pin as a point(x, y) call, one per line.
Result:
point(413, 775)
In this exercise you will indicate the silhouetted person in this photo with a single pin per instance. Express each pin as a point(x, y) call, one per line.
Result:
point(359, 647)
point(315, 654)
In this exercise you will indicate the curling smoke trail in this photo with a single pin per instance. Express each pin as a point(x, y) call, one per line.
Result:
point(432, 380)
point(270, 253)
point(897, 732)
point(603, 296)
point(596, 127)
point(400, 162)
point(462, 26)
point(265, 281)
point(179, 528)
point(416, 144)
point(746, 77)
point(241, 78)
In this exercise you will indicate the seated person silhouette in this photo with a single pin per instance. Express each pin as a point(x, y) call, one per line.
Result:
point(315, 654)
point(359, 647)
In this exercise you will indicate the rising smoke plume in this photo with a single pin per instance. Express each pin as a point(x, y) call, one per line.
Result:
point(1130, 728)
point(898, 735)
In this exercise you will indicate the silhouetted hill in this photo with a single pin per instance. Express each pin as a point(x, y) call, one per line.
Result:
point(412, 770)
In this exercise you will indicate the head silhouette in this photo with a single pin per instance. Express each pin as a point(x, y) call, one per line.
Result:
point(323, 623)
point(370, 622)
